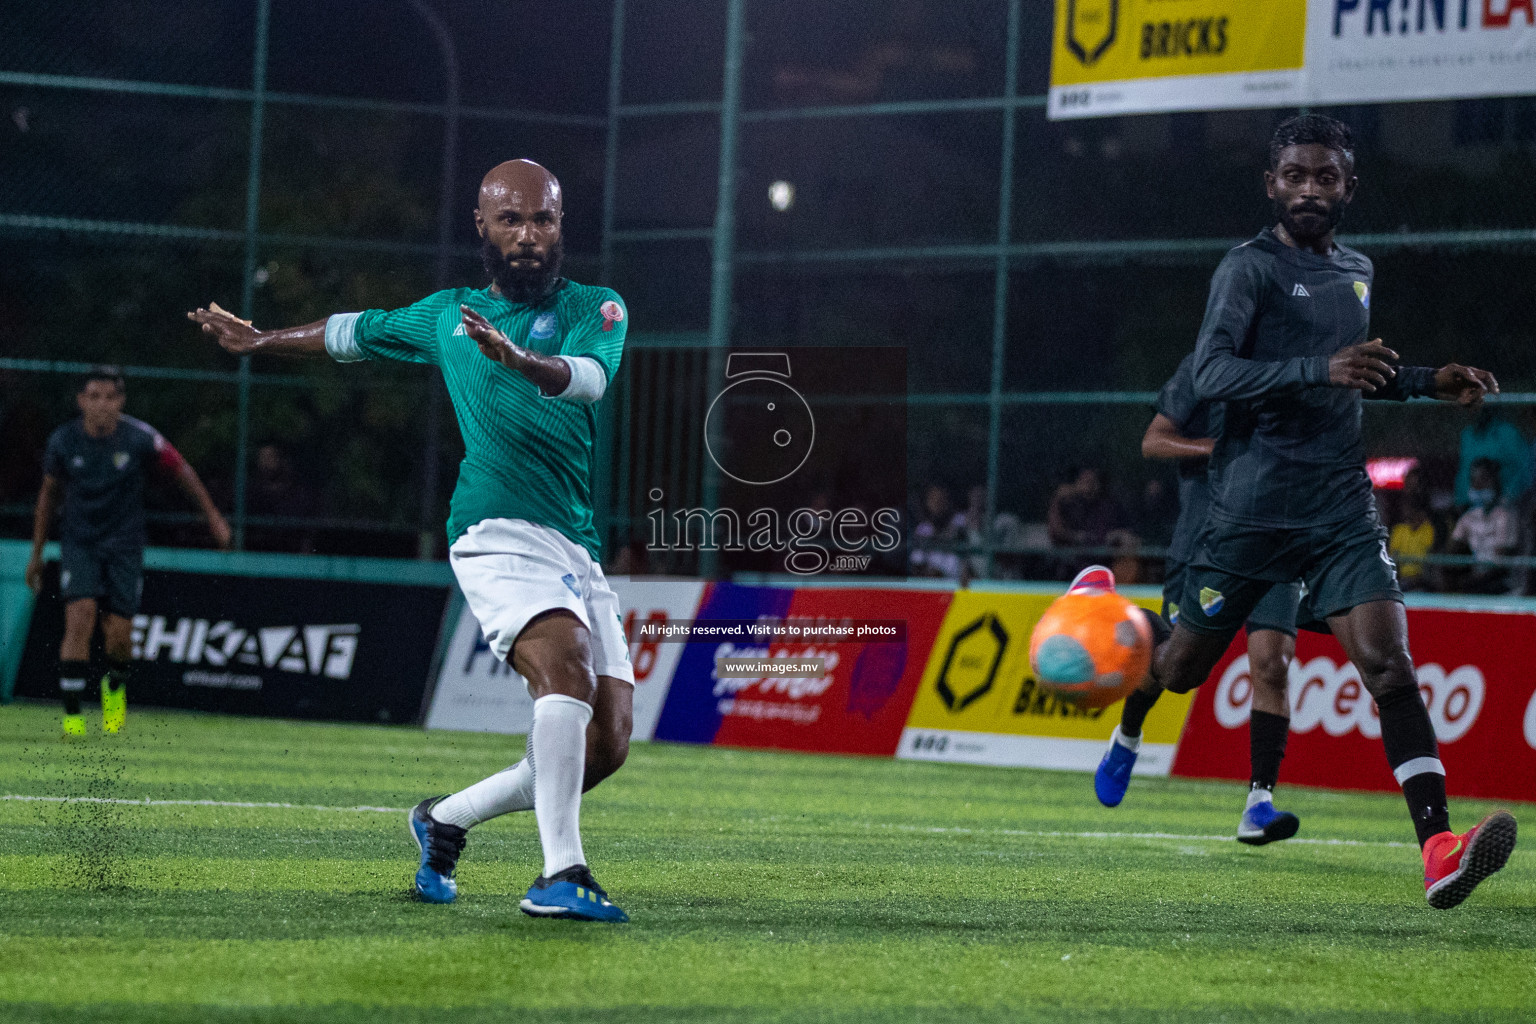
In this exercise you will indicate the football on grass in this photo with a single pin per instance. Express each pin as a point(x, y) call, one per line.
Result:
point(1091, 648)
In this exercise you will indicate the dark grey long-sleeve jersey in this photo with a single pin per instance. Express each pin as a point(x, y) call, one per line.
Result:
point(1290, 452)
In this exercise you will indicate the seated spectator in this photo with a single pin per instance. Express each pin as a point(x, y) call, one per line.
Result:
point(1487, 530)
point(937, 528)
point(1084, 515)
point(1493, 437)
point(1413, 536)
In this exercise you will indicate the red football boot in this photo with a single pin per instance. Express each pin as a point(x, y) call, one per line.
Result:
point(1454, 864)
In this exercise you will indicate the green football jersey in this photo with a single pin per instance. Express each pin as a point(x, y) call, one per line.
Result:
point(525, 456)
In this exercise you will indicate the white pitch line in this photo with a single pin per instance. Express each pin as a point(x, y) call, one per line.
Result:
point(926, 829)
point(146, 802)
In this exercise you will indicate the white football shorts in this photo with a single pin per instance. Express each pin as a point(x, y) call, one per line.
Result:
point(511, 570)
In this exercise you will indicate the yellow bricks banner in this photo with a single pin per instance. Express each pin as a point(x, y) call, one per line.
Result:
point(1134, 56)
point(1141, 56)
point(979, 703)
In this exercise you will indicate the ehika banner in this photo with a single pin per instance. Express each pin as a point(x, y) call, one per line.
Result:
point(1475, 677)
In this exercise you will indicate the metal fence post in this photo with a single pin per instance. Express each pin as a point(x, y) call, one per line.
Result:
point(426, 538)
point(1000, 282)
point(248, 283)
point(722, 266)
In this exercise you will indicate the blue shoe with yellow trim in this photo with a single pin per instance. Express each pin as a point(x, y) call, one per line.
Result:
point(440, 846)
point(572, 893)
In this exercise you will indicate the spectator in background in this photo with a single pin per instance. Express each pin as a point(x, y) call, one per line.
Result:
point(276, 490)
point(1493, 437)
point(1084, 515)
point(1488, 530)
point(1413, 536)
point(938, 526)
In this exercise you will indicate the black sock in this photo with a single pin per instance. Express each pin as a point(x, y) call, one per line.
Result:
point(1409, 739)
point(1267, 734)
point(1136, 707)
point(72, 677)
point(117, 674)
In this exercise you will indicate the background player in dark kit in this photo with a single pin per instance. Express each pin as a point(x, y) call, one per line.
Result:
point(1185, 428)
point(97, 464)
point(1284, 346)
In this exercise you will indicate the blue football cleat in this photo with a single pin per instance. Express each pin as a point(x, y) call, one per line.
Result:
point(1113, 776)
point(440, 846)
point(572, 893)
point(1263, 824)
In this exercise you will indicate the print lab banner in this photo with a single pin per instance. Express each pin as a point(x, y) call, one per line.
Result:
point(857, 705)
point(1113, 57)
point(1474, 676)
point(979, 703)
point(277, 647)
point(477, 693)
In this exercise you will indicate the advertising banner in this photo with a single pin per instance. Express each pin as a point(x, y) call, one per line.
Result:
point(1481, 698)
point(979, 703)
point(282, 648)
point(1138, 56)
point(856, 704)
point(477, 693)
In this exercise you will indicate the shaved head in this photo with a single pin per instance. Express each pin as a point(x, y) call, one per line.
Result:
point(518, 218)
point(517, 179)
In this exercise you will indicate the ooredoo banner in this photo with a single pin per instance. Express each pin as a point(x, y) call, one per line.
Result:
point(855, 704)
point(1138, 56)
point(277, 647)
point(1481, 697)
point(476, 692)
point(979, 702)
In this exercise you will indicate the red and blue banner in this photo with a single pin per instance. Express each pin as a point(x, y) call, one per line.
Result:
point(858, 705)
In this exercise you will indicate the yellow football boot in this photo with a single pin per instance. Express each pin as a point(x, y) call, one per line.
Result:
point(114, 707)
point(74, 727)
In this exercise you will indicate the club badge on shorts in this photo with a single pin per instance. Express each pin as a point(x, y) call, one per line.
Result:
point(1211, 600)
point(613, 313)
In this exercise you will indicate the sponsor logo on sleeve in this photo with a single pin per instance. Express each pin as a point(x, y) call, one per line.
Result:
point(612, 312)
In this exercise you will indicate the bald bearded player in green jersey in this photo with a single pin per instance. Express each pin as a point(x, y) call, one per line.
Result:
point(525, 361)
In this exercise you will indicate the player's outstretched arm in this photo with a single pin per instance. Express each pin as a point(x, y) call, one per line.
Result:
point(239, 338)
point(192, 484)
point(42, 518)
point(1163, 440)
point(551, 374)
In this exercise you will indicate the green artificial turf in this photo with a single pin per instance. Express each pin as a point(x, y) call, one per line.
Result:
point(762, 887)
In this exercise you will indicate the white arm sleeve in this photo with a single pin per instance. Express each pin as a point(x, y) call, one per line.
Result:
point(341, 338)
point(588, 381)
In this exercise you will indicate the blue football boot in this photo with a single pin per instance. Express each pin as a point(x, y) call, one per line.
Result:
point(1113, 776)
point(572, 893)
point(440, 846)
point(1263, 824)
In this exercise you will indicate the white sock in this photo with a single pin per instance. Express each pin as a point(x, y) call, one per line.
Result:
point(1259, 796)
point(557, 746)
point(1131, 743)
point(506, 791)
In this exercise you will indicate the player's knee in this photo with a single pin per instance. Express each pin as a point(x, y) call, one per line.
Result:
point(1268, 670)
point(567, 672)
point(1385, 671)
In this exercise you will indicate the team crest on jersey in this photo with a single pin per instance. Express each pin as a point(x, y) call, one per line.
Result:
point(119, 459)
point(612, 313)
point(1211, 600)
point(1363, 293)
point(543, 326)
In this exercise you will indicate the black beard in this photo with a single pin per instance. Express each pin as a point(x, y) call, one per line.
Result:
point(519, 284)
point(1331, 216)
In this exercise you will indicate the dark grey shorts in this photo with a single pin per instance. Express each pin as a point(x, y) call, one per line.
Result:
point(113, 576)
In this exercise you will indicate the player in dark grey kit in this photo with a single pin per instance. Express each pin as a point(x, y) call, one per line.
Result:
point(1284, 346)
point(1184, 428)
point(99, 461)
